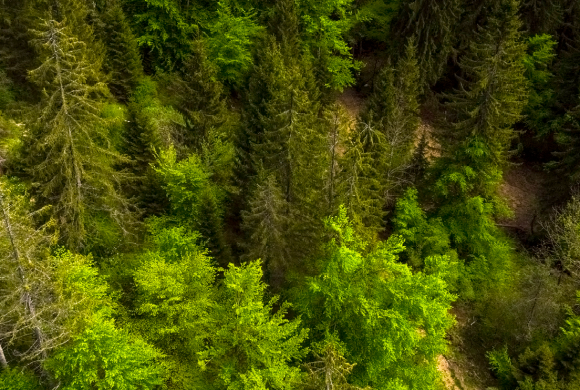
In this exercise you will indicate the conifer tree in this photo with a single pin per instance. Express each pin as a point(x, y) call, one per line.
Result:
point(266, 224)
point(200, 97)
point(489, 101)
point(122, 60)
point(282, 133)
point(250, 344)
point(542, 16)
point(433, 25)
point(360, 189)
point(396, 109)
point(568, 136)
point(69, 154)
point(165, 31)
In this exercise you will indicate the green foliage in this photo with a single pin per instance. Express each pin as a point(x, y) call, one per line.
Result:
point(374, 18)
point(230, 41)
point(165, 30)
point(69, 155)
point(122, 60)
point(103, 357)
point(251, 347)
point(566, 135)
point(540, 55)
point(424, 236)
point(493, 93)
point(174, 282)
point(433, 25)
point(391, 321)
point(15, 379)
point(196, 202)
point(325, 24)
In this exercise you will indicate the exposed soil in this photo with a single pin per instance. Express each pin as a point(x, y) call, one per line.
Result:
point(525, 191)
point(352, 101)
point(465, 366)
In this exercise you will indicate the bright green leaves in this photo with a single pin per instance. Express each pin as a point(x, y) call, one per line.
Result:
point(105, 358)
point(230, 41)
point(325, 24)
point(184, 183)
point(225, 332)
point(249, 346)
point(173, 284)
point(388, 318)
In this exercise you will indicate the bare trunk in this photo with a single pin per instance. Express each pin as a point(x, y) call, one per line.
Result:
point(3, 361)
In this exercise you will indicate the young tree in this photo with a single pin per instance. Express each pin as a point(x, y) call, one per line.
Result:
point(69, 155)
point(391, 321)
point(104, 357)
point(250, 346)
point(196, 202)
point(324, 25)
point(174, 282)
point(230, 41)
point(360, 189)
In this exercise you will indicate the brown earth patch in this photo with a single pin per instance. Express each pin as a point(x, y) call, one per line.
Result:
point(523, 190)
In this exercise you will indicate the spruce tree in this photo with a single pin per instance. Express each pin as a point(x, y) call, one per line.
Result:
point(122, 60)
point(266, 225)
point(199, 97)
point(360, 189)
point(489, 101)
point(542, 16)
point(69, 155)
point(433, 25)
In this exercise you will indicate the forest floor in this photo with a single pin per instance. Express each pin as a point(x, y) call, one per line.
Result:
point(465, 366)
point(525, 189)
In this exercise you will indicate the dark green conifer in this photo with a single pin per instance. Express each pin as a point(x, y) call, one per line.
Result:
point(266, 224)
point(122, 60)
point(542, 16)
point(433, 25)
point(489, 101)
point(199, 96)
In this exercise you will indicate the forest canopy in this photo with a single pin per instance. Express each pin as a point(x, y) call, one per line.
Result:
point(289, 194)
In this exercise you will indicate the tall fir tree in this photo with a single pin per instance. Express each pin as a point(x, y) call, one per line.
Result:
point(69, 154)
point(199, 97)
point(339, 123)
point(360, 189)
point(488, 102)
point(266, 224)
point(433, 25)
point(122, 60)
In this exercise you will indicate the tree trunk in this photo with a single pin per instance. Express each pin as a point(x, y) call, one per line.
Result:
point(3, 362)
